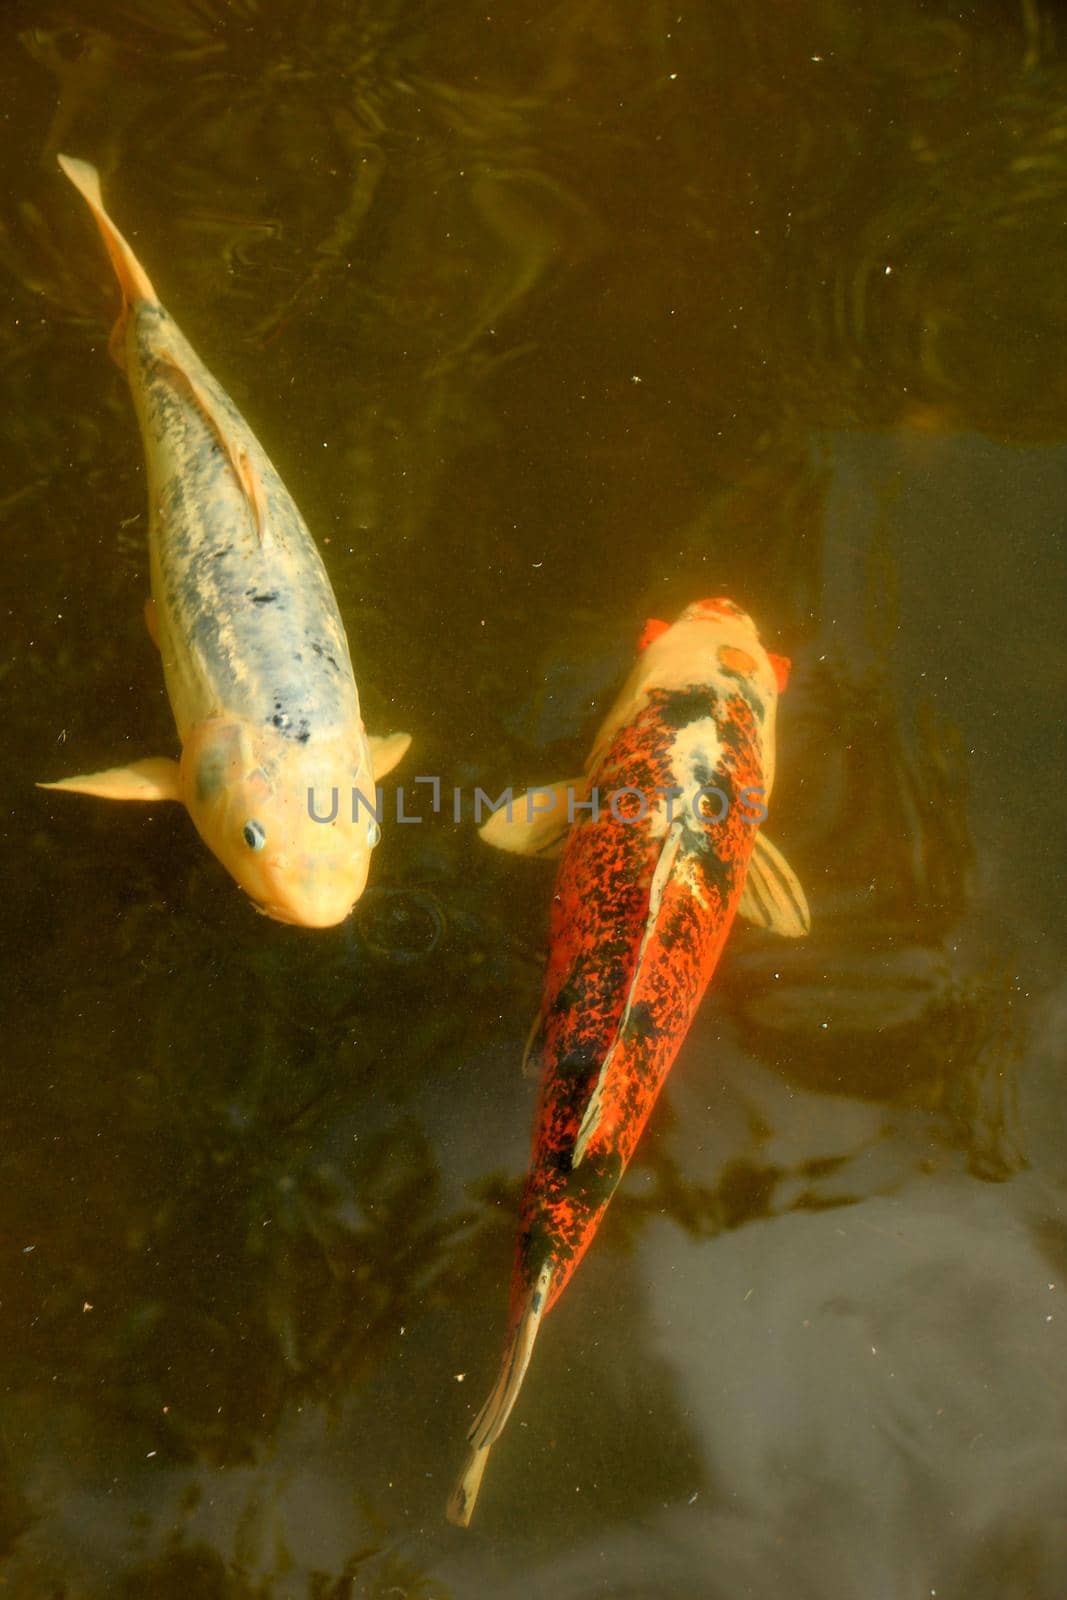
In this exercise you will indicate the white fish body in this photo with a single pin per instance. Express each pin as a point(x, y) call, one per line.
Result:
point(254, 651)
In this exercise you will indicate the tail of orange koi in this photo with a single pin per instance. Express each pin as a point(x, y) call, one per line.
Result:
point(133, 279)
point(490, 1422)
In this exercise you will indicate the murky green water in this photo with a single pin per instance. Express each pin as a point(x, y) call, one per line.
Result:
point(554, 318)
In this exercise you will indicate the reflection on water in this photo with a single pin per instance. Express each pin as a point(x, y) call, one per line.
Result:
point(552, 321)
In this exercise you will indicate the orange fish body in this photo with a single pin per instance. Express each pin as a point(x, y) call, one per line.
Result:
point(648, 887)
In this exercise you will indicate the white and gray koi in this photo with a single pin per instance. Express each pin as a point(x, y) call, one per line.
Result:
point(254, 652)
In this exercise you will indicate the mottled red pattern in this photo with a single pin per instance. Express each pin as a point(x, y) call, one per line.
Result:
point(598, 921)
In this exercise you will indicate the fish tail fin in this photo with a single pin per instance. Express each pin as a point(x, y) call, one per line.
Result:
point(133, 279)
point(461, 1503)
point(489, 1424)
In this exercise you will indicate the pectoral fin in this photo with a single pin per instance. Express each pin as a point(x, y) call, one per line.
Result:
point(158, 778)
point(660, 879)
point(387, 751)
point(772, 897)
point(651, 632)
point(536, 823)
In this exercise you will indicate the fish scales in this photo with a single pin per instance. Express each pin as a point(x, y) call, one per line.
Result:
point(562, 1206)
point(251, 623)
point(254, 652)
point(645, 896)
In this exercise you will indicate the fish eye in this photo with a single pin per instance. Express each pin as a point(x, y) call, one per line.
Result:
point(374, 833)
point(255, 835)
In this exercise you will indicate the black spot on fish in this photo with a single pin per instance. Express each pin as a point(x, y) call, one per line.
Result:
point(687, 705)
point(576, 1063)
point(718, 874)
point(262, 599)
point(702, 773)
point(535, 1248)
point(300, 731)
point(594, 1180)
point(553, 1159)
point(319, 651)
point(747, 692)
point(568, 996)
point(642, 1024)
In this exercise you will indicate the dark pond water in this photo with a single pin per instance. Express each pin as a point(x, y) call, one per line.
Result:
point(554, 318)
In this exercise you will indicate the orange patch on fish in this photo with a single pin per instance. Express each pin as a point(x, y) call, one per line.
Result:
point(651, 632)
point(732, 659)
point(782, 668)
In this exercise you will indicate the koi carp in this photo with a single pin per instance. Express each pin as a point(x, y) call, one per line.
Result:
point(646, 892)
point(254, 652)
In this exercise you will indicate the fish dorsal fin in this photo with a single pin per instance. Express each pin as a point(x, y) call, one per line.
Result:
point(660, 878)
point(536, 823)
point(772, 897)
point(157, 778)
point(241, 464)
point(252, 484)
point(531, 1055)
point(491, 1419)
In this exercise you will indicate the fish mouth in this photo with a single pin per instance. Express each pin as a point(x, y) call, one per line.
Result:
point(295, 919)
point(264, 909)
point(717, 608)
point(275, 913)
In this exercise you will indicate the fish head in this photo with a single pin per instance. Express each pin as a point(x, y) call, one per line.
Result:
point(734, 627)
point(714, 641)
point(727, 650)
point(293, 823)
point(713, 644)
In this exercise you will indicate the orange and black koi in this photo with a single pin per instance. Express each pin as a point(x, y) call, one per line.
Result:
point(642, 908)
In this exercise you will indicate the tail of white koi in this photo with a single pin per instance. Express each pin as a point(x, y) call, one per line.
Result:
point(133, 279)
point(489, 1424)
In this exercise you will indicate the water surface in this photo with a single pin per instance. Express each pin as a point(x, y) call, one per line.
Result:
point(553, 318)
